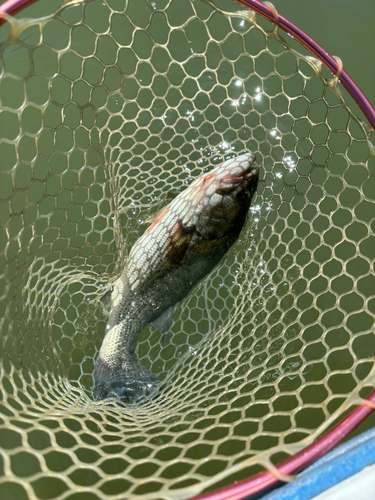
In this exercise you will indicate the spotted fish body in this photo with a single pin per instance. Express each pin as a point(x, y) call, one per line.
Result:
point(185, 241)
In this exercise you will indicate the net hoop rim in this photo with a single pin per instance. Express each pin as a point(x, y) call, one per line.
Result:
point(316, 50)
point(296, 463)
point(260, 482)
point(12, 7)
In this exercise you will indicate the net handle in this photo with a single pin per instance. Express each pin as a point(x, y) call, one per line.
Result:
point(263, 480)
point(316, 50)
point(14, 6)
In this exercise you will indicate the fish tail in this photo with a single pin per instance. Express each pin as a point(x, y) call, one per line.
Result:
point(128, 381)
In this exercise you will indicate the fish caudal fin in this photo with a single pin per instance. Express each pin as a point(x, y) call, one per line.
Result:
point(129, 382)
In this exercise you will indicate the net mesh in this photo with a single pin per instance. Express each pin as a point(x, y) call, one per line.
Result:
point(109, 109)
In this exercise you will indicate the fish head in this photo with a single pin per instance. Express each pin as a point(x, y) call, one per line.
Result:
point(223, 196)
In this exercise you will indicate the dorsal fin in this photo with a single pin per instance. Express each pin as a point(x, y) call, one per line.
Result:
point(157, 218)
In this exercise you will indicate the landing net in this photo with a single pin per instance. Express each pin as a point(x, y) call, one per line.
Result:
point(108, 110)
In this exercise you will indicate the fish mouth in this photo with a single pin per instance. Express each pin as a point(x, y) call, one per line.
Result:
point(247, 173)
point(252, 171)
point(228, 176)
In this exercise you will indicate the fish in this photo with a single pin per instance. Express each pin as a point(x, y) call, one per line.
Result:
point(184, 242)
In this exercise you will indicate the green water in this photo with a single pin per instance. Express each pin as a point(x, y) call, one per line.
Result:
point(341, 38)
point(344, 29)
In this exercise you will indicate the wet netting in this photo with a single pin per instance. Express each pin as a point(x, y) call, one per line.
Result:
point(109, 109)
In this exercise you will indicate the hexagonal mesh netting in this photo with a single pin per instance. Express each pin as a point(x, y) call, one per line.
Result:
point(109, 108)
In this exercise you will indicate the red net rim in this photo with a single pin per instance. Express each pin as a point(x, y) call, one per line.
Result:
point(292, 465)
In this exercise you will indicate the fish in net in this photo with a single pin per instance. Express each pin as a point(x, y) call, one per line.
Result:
point(108, 110)
point(185, 241)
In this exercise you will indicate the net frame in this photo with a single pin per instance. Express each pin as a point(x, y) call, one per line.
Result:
point(262, 481)
point(334, 65)
point(268, 11)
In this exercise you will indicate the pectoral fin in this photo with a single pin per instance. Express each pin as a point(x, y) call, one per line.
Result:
point(105, 303)
point(164, 321)
point(179, 242)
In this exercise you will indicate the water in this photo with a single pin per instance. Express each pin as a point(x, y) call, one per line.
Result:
point(259, 272)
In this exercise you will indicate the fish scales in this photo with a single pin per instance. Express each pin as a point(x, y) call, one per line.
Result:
point(185, 241)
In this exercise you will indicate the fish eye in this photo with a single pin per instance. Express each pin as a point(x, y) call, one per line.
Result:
point(242, 196)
